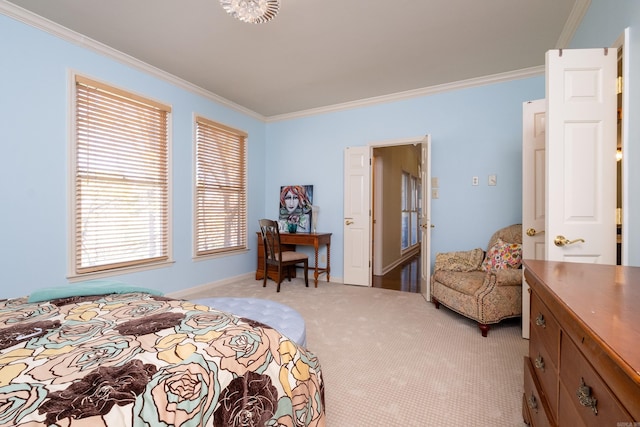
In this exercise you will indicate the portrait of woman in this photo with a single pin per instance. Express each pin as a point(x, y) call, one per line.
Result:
point(295, 206)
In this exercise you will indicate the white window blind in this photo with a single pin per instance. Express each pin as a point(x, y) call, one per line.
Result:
point(221, 194)
point(121, 179)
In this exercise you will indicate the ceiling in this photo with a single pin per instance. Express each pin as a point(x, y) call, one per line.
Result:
point(321, 53)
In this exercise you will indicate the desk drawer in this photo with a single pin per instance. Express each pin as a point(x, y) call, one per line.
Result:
point(598, 406)
point(544, 324)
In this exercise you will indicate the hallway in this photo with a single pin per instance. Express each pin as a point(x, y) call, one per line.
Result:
point(405, 277)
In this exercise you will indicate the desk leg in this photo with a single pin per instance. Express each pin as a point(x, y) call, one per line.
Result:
point(315, 272)
point(328, 261)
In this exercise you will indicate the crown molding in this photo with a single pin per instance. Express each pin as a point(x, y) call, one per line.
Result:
point(430, 90)
point(66, 34)
point(580, 8)
point(57, 30)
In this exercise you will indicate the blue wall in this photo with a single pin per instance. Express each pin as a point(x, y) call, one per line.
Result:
point(475, 132)
point(34, 135)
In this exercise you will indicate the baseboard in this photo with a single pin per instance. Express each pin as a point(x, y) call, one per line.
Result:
point(200, 289)
point(405, 257)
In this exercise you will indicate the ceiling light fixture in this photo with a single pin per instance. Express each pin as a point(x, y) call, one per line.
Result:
point(252, 11)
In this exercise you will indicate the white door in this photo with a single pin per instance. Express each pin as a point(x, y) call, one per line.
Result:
point(425, 220)
point(581, 147)
point(533, 193)
point(356, 225)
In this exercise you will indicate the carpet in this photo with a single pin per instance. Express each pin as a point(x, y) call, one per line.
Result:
point(390, 358)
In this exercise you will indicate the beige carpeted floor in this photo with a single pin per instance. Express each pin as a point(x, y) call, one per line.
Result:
point(390, 358)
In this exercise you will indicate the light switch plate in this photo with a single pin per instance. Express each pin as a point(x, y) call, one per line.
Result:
point(493, 180)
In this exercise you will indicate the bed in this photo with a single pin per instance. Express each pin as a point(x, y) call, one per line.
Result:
point(139, 359)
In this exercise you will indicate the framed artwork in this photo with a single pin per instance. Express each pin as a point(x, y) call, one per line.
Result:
point(295, 208)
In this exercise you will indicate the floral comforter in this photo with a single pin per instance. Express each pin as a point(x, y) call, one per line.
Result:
point(135, 359)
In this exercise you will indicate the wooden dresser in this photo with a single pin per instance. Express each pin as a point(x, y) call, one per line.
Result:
point(583, 367)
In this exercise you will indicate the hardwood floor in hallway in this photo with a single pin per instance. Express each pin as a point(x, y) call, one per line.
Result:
point(405, 277)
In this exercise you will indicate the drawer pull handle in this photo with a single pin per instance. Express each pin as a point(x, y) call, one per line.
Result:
point(540, 320)
point(585, 398)
point(539, 363)
point(532, 402)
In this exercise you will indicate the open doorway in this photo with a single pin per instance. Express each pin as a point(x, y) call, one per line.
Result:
point(396, 201)
point(358, 212)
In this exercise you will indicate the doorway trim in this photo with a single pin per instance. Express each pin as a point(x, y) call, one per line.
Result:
point(621, 43)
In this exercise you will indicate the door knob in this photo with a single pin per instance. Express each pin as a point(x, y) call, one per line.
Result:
point(348, 222)
point(532, 232)
point(562, 241)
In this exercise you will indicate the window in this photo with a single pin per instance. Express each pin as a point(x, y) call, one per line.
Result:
point(120, 179)
point(411, 201)
point(221, 191)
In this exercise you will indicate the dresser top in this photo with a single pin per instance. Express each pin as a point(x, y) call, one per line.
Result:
point(605, 298)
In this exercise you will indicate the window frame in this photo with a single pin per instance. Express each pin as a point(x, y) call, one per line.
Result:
point(410, 207)
point(200, 253)
point(76, 272)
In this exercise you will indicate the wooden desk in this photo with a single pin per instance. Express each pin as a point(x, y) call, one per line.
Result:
point(289, 242)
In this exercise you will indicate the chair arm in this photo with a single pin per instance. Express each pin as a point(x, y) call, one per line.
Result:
point(508, 277)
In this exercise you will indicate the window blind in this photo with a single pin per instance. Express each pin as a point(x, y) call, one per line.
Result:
point(121, 179)
point(220, 199)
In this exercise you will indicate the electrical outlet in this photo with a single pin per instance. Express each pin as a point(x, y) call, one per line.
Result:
point(435, 193)
point(475, 180)
point(323, 258)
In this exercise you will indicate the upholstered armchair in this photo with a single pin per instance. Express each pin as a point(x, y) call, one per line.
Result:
point(483, 286)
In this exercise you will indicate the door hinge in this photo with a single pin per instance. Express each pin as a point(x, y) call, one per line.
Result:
point(619, 85)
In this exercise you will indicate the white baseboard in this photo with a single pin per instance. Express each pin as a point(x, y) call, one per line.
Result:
point(198, 290)
point(399, 261)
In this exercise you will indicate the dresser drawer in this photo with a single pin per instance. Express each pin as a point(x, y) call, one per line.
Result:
point(544, 370)
point(546, 327)
point(598, 406)
point(534, 402)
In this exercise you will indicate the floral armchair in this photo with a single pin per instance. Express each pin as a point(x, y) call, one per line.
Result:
point(484, 287)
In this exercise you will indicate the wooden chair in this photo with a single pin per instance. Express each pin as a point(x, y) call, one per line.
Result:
point(273, 254)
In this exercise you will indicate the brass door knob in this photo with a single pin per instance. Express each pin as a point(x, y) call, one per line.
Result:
point(348, 222)
point(532, 232)
point(563, 241)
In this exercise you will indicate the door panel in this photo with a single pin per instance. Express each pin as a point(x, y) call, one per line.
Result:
point(356, 225)
point(580, 155)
